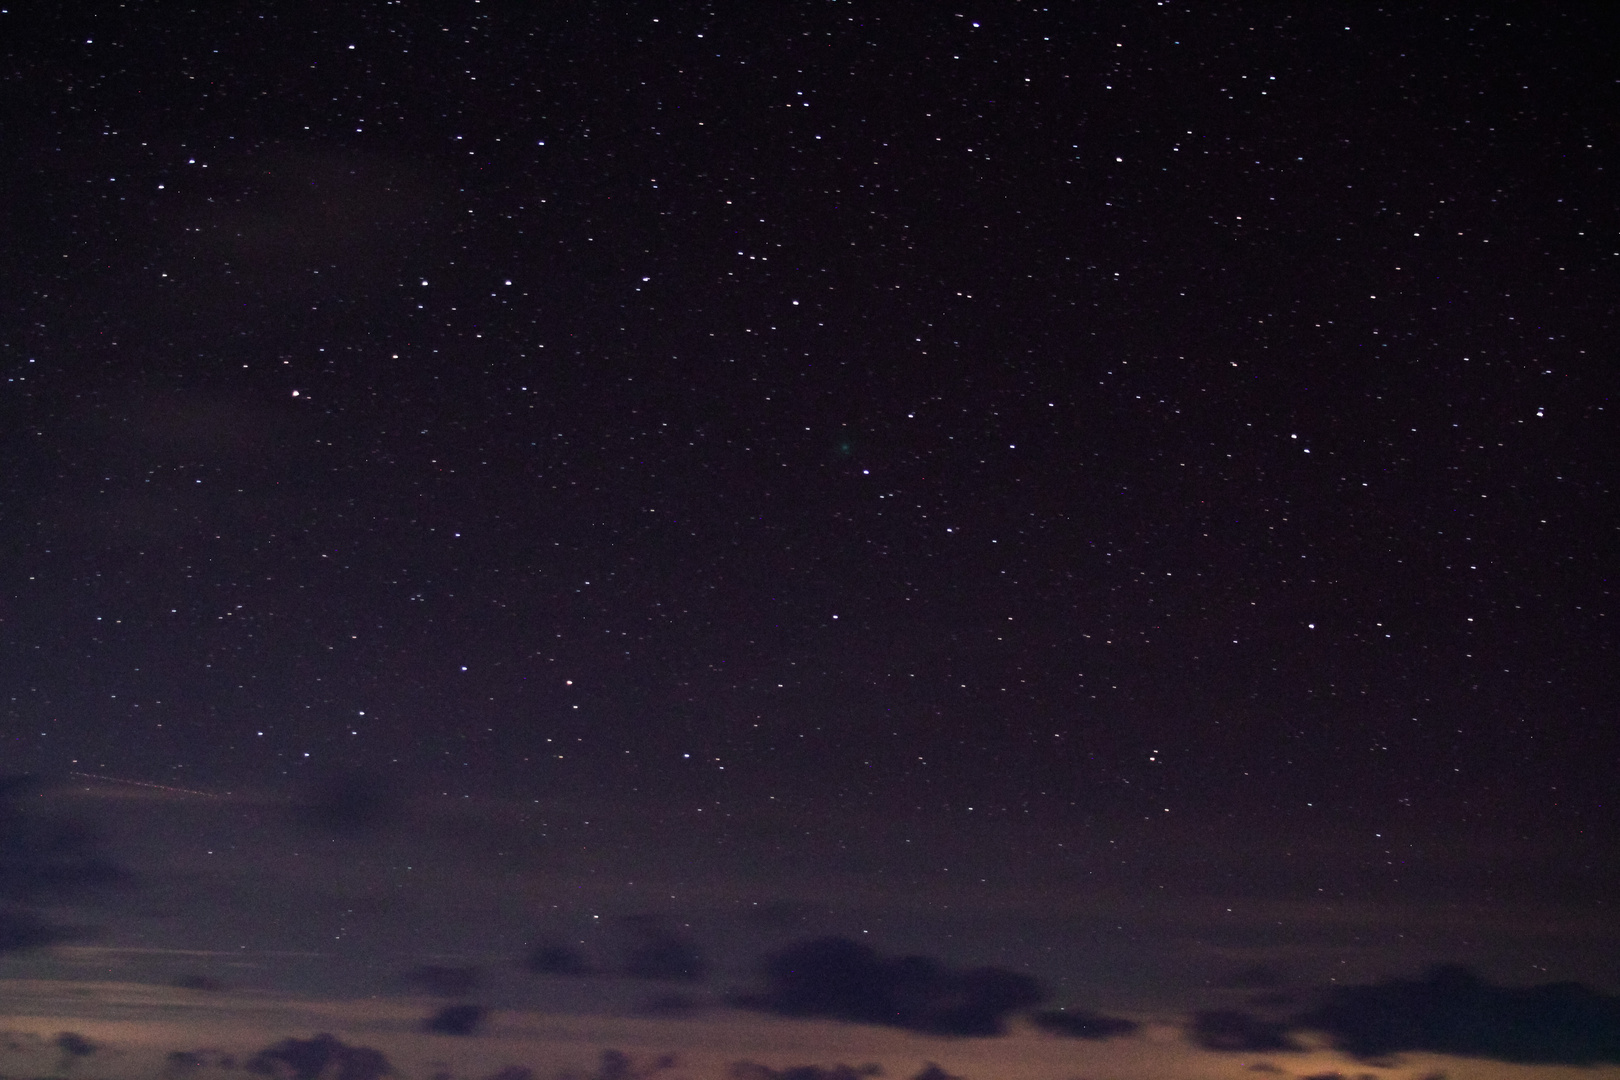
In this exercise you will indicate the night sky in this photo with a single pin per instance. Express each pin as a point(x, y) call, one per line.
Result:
point(903, 466)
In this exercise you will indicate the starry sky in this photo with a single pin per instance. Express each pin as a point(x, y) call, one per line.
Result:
point(894, 462)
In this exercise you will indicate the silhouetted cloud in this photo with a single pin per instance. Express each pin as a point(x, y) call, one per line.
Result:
point(845, 980)
point(549, 958)
point(42, 861)
point(179, 1064)
point(617, 1065)
point(749, 1070)
point(309, 1059)
point(1224, 1029)
point(443, 981)
point(74, 1047)
point(1081, 1024)
point(22, 929)
point(1454, 1011)
point(456, 1020)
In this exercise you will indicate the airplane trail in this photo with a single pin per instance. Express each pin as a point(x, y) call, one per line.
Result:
point(145, 784)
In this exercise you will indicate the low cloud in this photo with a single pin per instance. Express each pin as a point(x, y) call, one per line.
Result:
point(845, 980)
point(1453, 1011)
point(1232, 1031)
point(43, 861)
point(74, 1047)
point(752, 1070)
point(1083, 1024)
point(456, 1020)
point(22, 929)
point(749, 1070)
point(322, 1056)
point(617, 1065)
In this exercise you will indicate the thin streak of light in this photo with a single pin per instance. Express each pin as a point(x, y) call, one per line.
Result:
point(143, 783)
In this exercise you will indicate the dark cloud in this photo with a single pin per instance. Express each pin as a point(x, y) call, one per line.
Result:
point(845, 980)
point(43, 860)
point(74, 1047)
point(185, 1062)
point(1225, 1029)
point(21, 929)
point(182, 1063)
point(1081, 1024)
point(618, 1065)
point(444, 981)
point(1454, 1011)
point(179, 1064)
point(456, 1020)
point(322, 1056)
point(749, 1070)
